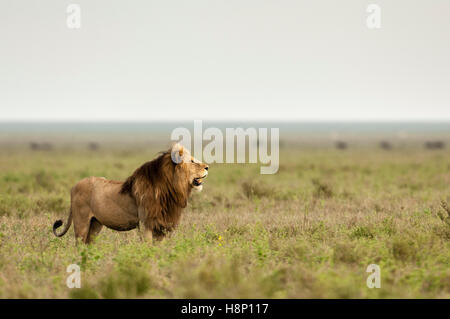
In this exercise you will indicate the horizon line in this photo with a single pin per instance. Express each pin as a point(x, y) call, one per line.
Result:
point(303, 121)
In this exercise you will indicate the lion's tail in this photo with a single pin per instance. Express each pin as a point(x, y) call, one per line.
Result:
point(59, 222)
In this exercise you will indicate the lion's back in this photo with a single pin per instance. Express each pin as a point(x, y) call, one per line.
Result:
point(90, 186)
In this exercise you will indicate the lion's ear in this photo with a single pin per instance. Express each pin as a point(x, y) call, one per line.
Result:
point(178, 153)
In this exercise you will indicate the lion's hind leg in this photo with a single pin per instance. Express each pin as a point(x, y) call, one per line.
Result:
point(94, 229)
point(81, 225)
point(86, 226)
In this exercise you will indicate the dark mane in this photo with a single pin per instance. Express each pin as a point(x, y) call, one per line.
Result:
point(160, 189)
point(150, 171)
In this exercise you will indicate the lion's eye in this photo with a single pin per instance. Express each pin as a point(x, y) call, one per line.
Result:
point(192, 161)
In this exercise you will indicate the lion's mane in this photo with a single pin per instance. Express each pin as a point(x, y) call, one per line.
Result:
point(161, 190)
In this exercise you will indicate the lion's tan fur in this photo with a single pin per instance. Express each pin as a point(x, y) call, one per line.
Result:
point(152, 198)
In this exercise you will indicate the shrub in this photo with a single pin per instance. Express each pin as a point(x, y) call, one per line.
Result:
point(252, 189)
point(344, 253)
point(321, 189)
point(361, 232)
point(404, 250)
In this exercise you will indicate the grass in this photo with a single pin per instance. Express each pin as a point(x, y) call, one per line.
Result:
point(309, 231)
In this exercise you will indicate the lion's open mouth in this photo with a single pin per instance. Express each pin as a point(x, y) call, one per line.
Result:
point(198, 181)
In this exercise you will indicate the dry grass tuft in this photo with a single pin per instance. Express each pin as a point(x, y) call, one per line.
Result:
point(253, 189)
point(442, 216)
point(322, 189)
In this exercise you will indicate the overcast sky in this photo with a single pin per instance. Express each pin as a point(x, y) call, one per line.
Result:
point(229, 59)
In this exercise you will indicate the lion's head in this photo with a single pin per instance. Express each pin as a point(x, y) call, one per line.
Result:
point(185, 164)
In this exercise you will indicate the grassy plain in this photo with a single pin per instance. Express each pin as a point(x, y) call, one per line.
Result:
point(309, 231)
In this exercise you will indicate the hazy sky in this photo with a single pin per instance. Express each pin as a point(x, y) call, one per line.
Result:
point(229, 59)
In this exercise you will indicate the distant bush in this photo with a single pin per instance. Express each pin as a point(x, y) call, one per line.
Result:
point(93, 146)
point(385, 145)
point(41, 146)
point(341, 145)
point(434, 145)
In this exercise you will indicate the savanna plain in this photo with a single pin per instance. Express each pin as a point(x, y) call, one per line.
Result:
point(309, 231)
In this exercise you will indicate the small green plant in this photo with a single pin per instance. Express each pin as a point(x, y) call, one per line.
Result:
point(362, 232)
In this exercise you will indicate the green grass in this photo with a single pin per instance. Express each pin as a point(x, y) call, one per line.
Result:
point(309, 231)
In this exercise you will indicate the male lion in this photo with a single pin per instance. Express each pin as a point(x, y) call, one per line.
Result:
point(151, 199)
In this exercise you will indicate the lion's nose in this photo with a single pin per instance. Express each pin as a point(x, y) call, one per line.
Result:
point(207, 167)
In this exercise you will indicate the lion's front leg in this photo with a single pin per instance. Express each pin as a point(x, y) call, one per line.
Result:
point(145, 231)
point(158, 235)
